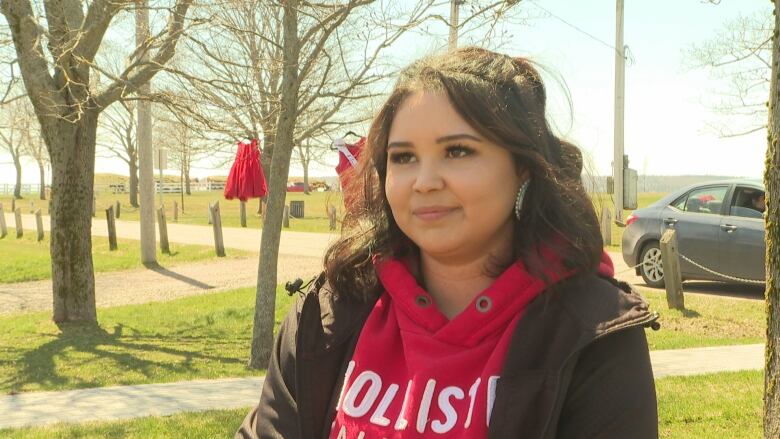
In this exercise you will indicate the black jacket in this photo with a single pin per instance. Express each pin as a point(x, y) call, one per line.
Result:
point(578, 366)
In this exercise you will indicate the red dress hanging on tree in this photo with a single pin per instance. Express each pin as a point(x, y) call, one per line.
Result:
point(348, 158)
point(246, 179)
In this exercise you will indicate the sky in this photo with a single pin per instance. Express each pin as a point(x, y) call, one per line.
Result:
point(668, 114)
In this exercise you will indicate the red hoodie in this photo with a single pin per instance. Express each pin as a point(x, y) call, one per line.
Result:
point(416, 374)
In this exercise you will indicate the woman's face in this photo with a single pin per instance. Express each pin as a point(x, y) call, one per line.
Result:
point(451, 191)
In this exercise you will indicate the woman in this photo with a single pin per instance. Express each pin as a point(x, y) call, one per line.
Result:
point(470, 295)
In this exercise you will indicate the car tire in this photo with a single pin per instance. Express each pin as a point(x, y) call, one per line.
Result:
point(652, 267)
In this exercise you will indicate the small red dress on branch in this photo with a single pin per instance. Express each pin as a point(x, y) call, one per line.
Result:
point(246, 179)
point(348, 158)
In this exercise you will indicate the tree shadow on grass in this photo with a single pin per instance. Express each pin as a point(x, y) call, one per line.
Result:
point(154, 266)
point(689, 313)
point(83, 355)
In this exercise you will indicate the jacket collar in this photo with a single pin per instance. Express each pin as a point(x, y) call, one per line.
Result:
point(582, 308)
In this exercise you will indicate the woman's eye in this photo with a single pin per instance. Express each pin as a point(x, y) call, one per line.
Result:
point(458, 151)
point(401, 157)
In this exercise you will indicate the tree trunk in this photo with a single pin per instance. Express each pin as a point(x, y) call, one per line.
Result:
point(265, 301)
point(72, 150)
point(772, 182)
point(133, 178)
point(305, 164)
point(269, 140)
point(18, 184)
point(42, 173)
point(187, 188)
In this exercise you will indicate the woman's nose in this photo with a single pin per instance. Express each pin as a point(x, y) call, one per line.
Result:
point(428, 177)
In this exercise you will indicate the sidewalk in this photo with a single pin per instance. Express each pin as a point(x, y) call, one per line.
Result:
point(124, 402)
point(159, 284)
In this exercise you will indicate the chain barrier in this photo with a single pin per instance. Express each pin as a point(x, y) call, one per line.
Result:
point(726, 276)
point(629, 269)
point(738, 279)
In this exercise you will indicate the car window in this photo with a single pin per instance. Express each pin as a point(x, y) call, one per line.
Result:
point(706, 200)
point(748, 202)
point(680, 202)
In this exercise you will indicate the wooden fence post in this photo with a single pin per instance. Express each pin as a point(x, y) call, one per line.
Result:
point(3, 228)
point(32, 206)
point(286, 217)
point(672, 276)
point(111, 228)
point(39, 224)
point(175, 212)
point(18, 218)
point(332, 217)
point(118, 209)
point(13, 204)
point(211, 213)
point(94, 206)
point(219, 245)
point(606, 226)
point(242, 210)
point(163, 226)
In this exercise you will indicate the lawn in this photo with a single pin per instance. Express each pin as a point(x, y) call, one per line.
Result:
point(197, 337)
point(707, 321)
point(26, 259)
point(724, 405)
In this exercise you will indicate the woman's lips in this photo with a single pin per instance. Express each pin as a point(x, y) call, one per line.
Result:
point(432, 213)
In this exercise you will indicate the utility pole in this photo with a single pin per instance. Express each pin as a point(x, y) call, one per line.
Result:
point(454, 20)
point(145, 152)
point(620, 79)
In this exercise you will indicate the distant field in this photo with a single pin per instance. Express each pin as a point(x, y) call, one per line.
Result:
point(195, 208)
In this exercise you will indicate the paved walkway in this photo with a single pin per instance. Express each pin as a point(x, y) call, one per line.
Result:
point(124, 402)
point(159, 284)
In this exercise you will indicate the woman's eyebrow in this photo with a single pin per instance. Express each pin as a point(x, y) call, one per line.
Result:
point(458, 137)
point(439, 140)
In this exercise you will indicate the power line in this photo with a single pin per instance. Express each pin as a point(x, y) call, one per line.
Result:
point(627, 51)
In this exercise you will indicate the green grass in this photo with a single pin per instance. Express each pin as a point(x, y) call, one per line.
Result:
point(26, 259)
point(707, 321)
point(724, 405)
point(206, 425)
point(197, 337)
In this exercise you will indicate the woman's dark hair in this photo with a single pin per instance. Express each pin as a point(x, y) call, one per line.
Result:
point(503, 99)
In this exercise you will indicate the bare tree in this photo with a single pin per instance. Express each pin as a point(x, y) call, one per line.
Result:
point(34, 146)
point(14, 129)
point(118, 138)
point(56, 46)
point(183, 143)
point(740, 56)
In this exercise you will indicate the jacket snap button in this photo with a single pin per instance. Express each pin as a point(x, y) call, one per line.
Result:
point(422, 301)
point(484, 303)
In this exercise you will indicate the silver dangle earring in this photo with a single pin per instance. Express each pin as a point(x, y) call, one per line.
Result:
point(519, 200)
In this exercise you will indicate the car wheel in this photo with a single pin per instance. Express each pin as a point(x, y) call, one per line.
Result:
point(652, 268)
